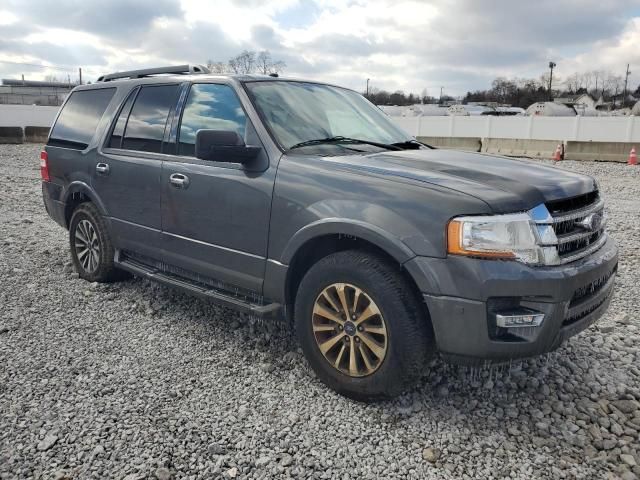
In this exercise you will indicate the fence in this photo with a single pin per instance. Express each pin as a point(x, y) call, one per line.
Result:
point(596, 129)
point(27, 116)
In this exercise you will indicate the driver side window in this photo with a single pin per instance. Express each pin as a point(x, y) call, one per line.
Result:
point(209, 107)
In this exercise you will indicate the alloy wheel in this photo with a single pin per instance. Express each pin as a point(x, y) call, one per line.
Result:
point(349, 330)
point(87, 246)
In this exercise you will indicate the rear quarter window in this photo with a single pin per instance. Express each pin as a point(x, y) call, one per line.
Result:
point(79, 118)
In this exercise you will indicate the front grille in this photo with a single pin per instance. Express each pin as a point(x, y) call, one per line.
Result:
point(578, 223)
point(567, 205)
point(572, 246)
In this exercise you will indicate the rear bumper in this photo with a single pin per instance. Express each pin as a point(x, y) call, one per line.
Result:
point(55, 208)
point(463, 295)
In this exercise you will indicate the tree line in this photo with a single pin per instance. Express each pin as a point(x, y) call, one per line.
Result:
point(523, 92)
point(383, 97)
point(248, 62)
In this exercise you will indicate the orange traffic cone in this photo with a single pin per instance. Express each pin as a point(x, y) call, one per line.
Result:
point(558, 155)
point(633, 158)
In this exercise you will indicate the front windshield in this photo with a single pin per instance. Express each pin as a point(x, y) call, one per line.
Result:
point(297, 112)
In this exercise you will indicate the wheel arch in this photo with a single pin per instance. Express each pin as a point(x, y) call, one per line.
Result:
point(319, 240)
point(79, 192)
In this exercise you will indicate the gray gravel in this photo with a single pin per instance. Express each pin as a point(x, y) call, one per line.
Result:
point(134, 381)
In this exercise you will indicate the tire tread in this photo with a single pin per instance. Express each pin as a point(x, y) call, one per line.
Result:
point(416, 343)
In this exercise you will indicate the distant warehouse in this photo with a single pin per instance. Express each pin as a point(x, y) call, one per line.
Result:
point(29, 92)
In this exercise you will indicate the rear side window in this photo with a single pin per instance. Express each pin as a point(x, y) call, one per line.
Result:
point(116, 136)
point(145, 128)
point(209, 107)
point(79, 118)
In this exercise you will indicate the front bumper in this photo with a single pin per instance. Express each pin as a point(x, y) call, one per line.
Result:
point(463, 295)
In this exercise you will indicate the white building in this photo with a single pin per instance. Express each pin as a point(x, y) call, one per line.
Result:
point(29, 92)
point(581, 99)
point(550, 109)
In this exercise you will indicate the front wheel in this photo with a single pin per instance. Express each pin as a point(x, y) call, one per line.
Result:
point(361, 326)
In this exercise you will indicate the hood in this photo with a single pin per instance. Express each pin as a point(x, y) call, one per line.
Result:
point(505, 184)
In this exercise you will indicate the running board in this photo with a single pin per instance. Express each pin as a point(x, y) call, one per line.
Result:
point(199, 290)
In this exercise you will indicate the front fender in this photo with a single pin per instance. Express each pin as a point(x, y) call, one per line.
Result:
point(396, 234)
point(348, 227)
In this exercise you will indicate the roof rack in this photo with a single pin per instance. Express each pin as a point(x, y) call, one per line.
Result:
point(147, 72)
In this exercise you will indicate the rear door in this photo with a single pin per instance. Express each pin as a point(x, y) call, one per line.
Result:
point(127, 171)
point(216, 224)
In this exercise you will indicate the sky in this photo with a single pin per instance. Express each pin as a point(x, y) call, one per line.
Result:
point(460, 45)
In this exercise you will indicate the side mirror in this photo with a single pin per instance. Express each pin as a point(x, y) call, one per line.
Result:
point(224, 146)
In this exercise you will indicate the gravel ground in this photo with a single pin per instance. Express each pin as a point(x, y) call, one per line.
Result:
point(135, 381)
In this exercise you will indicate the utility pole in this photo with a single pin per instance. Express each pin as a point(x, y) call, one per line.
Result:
point(552, 65)
point(626, 79)
point(368, 87)
point(80, 74)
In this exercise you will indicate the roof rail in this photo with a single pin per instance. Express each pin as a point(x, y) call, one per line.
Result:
point(147, 72)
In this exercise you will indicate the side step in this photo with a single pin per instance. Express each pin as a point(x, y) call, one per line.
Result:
point(199, 290)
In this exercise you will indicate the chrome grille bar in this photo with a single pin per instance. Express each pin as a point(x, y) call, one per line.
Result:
point(561, 236)
point(586, 251)
point(583, 212)
point(577, 236)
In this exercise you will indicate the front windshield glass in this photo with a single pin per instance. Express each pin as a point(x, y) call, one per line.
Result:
point(297, 112)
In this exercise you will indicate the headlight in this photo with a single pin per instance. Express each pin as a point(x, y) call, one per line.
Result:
point(496, 236)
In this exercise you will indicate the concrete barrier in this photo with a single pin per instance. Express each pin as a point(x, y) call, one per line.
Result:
point(36, 134)
point(599, 151)
point(11, 135)
point(517, 147)
point(470, 144)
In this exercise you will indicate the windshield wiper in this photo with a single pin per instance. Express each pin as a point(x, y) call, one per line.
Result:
point(341, 139)
point(412, 144)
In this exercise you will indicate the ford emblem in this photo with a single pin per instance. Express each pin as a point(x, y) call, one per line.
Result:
point(591, 222)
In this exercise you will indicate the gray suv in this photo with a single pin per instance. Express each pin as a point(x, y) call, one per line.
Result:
point(302, 200)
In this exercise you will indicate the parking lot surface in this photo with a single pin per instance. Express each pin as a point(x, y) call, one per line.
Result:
point(134, 381)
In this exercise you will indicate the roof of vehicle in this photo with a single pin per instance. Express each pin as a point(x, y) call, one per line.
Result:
point(158, 75)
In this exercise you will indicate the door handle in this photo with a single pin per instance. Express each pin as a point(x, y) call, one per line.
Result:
point(102, 168)
point(179, 180)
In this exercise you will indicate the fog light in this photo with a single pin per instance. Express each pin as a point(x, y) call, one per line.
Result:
point(519, 318)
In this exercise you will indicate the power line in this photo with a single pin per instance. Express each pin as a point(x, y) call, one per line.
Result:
point(39, 66)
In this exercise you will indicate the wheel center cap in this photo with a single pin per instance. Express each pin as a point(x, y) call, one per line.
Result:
point(349, 328)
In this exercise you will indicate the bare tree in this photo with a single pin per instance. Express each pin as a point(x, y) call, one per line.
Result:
point(614, 85)
point(266, 64)
point(544, 81)
point(234, 66)
point(248, 62)
point(587, 80)
point(245, 62)
point(278, 66)
point(573, 82)
point(217, 67)
point(599, 78)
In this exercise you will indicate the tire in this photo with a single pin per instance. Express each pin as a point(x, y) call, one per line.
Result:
point(96, 265)
point(401, 328)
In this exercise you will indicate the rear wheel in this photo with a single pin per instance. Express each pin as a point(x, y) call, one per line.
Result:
point(91, 248)
point(362, 328)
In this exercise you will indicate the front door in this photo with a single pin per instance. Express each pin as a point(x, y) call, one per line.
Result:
point(215, 215)
point(127, 171)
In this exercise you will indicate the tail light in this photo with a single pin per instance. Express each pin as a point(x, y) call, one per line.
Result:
point(44, 166)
